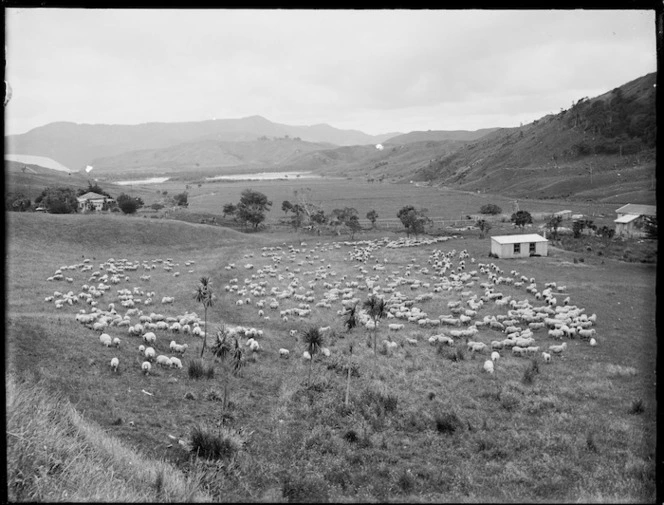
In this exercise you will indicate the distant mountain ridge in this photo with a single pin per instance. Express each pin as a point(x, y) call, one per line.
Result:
point(76, 145)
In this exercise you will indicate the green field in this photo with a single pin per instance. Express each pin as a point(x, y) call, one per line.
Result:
point(419, 426)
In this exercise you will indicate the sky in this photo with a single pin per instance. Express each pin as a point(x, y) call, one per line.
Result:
point(377, 71)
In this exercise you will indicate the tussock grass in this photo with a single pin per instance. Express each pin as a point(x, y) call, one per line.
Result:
point(199, 369)
point(53, 454)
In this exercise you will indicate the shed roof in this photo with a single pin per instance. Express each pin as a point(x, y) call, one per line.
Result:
point(519, 239)
point(626, 218)
point(92, 196)
point(638, 209)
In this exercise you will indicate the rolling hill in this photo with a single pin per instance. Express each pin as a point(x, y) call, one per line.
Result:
point(211, 152)
point(76, 145)
point(438, 135)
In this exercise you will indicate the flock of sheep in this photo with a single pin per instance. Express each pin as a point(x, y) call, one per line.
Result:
point(476, 305)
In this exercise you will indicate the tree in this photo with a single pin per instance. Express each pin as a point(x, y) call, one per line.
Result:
point(313, 339)
point(59, 200)
point(129, 204)
point(484, 227)
point(306, 205)
point(17, 202)
point(350, 322)
point(229, 209)
point(348, 217)
point(376, 308)
point(298, 216)
point(372, 216)
point(413, 219)
point(224, 348)
point(521, 218)
point(93, 188)
point(252, 207)
point(181, 199)
point(606, 232)
point(649, 226)
point(205, 296)
point(553, 224)
point(286, 206)
point(580, 224)
point(490, 208)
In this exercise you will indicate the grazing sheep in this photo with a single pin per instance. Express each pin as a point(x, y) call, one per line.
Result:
point(586, 334)
point(306, 355)
point(150, 338)
point(495, 356)
point(115, 362)
point(146, 367)
point(150, 353)
point(284, 353)
point(105, 339)
point(164, 361)
point(116, 342)
point(547, 357)
point(411, 341)
point(593, 342)
point(476, 346)
point(488, 366)
point(141, 349)
point(518, 351)
point(175, 362)
point(558, 349)
point(325, 352)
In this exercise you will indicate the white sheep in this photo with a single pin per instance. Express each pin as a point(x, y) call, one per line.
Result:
point(518, 351)
point(116, 342)
point(558, 349)
point(115, 362)
point(146, 367)
point(284, 353)
point(164, 361)
point(325, 352)
point(105, 339)
point(488, 366)
point(150, 338)
point(495, 356)
point(150, 353)
point(411, 341)
point(547, 357)
point(141, 349)
point(175, 362)
point(306, 355)
point(593, 342)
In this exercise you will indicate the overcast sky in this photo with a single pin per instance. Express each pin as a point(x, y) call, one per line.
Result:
point(376, 71)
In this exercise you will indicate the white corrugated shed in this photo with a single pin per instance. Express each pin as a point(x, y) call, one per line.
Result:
point(513, 239)
point(626, 218)
point(519, 246)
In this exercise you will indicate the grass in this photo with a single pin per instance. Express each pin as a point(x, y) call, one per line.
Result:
point(511, 440)
point(54, 454)
point(198, 369)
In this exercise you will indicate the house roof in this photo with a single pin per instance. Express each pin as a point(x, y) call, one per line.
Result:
point(519, 239)
point(92, 196)
point(639, 210)
point(626, 218)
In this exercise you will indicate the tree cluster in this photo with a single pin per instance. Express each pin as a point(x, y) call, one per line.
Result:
point(414, 220)
point(491, 209)
point(17, 202)
point(58, 200)
point(521, 218)
point(129, 204)
point(250, 209)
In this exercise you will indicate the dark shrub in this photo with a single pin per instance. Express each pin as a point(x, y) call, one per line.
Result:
point(447, 422)
point(490, 208)
point(198, 369)
point(209, 445)
point(637, 407)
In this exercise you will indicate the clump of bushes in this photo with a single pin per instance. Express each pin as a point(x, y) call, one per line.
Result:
point(447, 422)
point(210, 445)
point(198, 369)
point(491, 208)
point(530, 372)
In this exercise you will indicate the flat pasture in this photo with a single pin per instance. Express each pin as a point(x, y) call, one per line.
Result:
point(386, 198)
point(423, 422)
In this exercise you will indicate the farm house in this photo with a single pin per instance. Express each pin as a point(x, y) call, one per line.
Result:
point(93, 202)
point(519, 246)
point(631, 219)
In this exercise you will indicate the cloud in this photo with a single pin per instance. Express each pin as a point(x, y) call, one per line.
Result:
point(367, 70)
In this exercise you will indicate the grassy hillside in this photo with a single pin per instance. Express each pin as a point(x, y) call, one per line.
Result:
point(438, 135)
point(423, 423)
point(204, 154)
